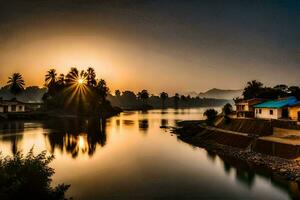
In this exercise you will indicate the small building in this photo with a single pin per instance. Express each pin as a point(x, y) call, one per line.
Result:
point(10, 106)
point(245, 108)
point(33, 106)
point(294, 112)
point(274, 109)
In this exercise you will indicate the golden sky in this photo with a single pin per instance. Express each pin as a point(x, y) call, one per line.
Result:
point(175, 46)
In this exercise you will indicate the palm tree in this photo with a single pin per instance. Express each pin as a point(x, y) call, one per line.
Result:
point(61, 80)
point(16, 83)
point(72, 76)
point(91, 77)
point(163, 97)
point(253, 89)
point(102, 90)
point(50, 78)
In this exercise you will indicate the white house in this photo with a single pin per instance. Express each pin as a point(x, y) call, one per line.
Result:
point(275, 109)
point(9, 106)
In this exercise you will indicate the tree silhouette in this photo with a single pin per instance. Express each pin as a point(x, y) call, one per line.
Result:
point(143, 95)
point(61, 82)
point(79, 92)
point(91, 77)
point(253, 89)
point(102, 90)
point(50, 79)
point(227, 109)
point(117, 93)
point(163, 97)
point(16, 83)
point(294, 91)
point(211, 115)
point(72, 76)
point(176, 100)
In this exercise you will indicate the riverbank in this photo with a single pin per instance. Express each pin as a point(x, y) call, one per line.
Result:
point(237, 146)
point(43, 115)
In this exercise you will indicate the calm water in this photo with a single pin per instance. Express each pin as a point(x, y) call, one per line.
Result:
point(131, 157)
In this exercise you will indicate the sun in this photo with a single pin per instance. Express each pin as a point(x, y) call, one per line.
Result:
point(80, 81)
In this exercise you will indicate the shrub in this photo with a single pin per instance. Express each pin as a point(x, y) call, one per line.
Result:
point(28, 177)
point(211, 115)
point(227, 109)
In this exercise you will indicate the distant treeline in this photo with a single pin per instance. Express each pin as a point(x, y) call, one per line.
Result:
point(130, 100)
point(125, 100)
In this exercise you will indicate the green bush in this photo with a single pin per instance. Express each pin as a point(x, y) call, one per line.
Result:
point(28, 177)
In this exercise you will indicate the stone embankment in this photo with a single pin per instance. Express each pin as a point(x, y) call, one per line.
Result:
point(237, 146)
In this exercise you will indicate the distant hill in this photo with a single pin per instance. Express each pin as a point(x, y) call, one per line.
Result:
point(191, 94)
point(221, 94)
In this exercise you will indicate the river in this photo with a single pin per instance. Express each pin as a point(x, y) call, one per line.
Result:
point(131, 157)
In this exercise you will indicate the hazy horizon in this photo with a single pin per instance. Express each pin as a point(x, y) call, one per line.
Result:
point(169, 45)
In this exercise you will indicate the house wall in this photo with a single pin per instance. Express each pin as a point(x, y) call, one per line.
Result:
point(240, 105)
point(293, 113)
point(265, 113)
point(1, 109)
point(19, 108)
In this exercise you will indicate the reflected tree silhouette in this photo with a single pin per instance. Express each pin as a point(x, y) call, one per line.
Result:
point(164, 122)
point(143, 125)
point(211, 155)
point(12, 128)
point(226, 167)
point(77, 136)
point(118, 123)
point(128, 122)
point(245, 177)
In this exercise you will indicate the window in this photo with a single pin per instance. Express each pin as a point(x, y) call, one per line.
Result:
point(259, 111)
point(271, 112)
point(13, 108)
point(20, 108)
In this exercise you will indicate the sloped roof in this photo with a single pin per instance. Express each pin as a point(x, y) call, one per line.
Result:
point(280, 103)
point(10, 102)
point(249, 101)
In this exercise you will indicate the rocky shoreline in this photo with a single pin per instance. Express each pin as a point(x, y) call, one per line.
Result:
point(280, 167)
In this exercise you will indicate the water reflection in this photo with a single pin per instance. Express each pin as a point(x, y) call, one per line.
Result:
point(164, 122)
point(8, 133)
point(77, 135)
point(158, 166)
point(245, 175)
point(128, 122)
point(143, 125)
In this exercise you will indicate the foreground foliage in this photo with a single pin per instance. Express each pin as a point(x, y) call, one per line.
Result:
point(28, 177)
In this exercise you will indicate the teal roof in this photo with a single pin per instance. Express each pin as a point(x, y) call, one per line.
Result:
point(277, 103)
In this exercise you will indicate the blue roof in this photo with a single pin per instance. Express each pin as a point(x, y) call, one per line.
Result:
point(277, 103)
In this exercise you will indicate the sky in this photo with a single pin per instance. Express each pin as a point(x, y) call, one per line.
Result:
point(159, 45)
